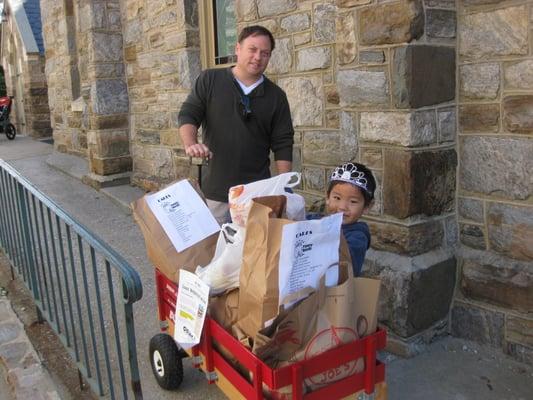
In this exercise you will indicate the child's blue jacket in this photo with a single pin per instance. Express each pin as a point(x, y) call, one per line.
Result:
point(357, 236)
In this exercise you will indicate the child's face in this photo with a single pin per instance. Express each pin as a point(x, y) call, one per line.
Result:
point(348, 199)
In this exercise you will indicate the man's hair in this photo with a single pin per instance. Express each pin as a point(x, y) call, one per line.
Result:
point(257, 30)
point(371, 183)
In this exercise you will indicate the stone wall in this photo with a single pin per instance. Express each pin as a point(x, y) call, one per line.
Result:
point(495, 201)
point(161, 48)
point(25, 79)
point(89, 98)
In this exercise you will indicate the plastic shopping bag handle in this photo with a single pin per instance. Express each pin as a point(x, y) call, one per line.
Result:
point(289, 177)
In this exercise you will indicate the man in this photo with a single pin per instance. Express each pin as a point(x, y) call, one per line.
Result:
point(243, 116)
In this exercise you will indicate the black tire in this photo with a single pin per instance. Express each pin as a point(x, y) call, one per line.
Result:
point(165, 358)
point(11, 131)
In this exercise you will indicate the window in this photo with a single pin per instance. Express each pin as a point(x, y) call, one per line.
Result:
point(218, 32)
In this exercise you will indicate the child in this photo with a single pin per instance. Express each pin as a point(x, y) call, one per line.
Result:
point(351, 191)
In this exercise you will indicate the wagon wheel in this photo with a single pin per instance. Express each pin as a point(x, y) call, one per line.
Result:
point(11, 132)
point(165, 358)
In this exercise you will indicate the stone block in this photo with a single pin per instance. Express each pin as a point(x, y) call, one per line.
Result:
point(372, 157)
point(510, 230)
point(314, 179)
point(301, 38)
point(518, 114)
point(281, 60)
point(188, 67)
point(471, 209)
point(109, 96)
point(346, 38)
point(520, 353)
point(472, 236)
point(386, 127)
point(324, 15)
point(110, 143)
point(440, 3)
point(391, 23)
point(489, 34)
point(332, 119)
point(479, 81)
point(110, 166)
point(363, 88)
point(312, 58)
point(496, 166)
point(477, 324)
point(9, 331)
point(401, 128)
point(147, 136)
point(419, 182)
point(305, 99)
point(371, 57)
point(105, 47)
point(116, 121)
point(416, 292)
point(446, 120)
point(497, 280)
point(406, 240)
point(328, 147)
point(295, 23)
point(435, 63)
point(451, 232)
point(519, 330)
point(246, 10)
point(351, 3)
point(440, 23)
point(479, 118)
point(267, 8)
point(518, 75)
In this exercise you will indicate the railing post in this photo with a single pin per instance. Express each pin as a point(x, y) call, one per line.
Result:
point(27, 241)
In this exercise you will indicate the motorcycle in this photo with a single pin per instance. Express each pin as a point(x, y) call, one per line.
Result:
point(5, 110)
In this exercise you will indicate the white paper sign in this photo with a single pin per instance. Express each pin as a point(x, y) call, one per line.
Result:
point(191, 308)
point(308, 250)
point(183, 214)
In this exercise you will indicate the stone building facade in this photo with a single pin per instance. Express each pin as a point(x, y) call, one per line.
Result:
point(22, 58)
point(433, 95)
point(494, 302)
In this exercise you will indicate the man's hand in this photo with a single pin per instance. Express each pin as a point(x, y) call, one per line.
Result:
point(198, 150)
point(189, 135)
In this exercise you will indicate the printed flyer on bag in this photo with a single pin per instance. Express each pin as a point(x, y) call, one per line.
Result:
point(191, 308)
point(308, 250)
point(183, 214)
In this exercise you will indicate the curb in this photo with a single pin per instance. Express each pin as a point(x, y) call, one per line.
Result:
point(21, 370)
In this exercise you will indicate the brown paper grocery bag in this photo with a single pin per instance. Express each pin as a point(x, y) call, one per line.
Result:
point(223, 308)
point(326, 319)
point(258, 280)
point(161, 253)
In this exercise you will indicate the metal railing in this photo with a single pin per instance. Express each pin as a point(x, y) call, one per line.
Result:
point(76, 281)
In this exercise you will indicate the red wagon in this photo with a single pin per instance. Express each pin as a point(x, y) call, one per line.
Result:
point(166, 359)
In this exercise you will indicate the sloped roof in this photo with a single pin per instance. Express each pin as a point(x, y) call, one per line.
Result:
point(33, 12)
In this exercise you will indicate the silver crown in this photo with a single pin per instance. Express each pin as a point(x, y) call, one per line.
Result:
point(348, 172)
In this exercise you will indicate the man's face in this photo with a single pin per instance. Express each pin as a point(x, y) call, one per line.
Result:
point(253, 54)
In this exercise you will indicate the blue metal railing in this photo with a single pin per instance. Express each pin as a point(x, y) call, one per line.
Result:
point(75, 279)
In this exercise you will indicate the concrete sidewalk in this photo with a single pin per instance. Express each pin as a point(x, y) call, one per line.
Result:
point(450, 368)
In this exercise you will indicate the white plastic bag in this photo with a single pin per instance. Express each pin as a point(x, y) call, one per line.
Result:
point(222, 273)
point(240, 197)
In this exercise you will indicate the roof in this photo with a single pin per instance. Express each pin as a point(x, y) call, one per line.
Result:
point(33, 12)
